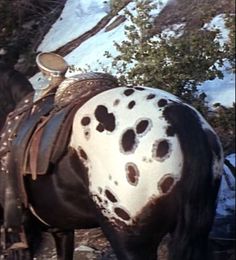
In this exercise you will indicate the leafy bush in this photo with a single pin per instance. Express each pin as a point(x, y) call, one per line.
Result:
point(223, 121)
point(230, 47)
point(176, 64)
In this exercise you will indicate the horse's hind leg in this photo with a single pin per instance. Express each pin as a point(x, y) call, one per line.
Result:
point(64, 241)
point(132, 244)
point(129, 247)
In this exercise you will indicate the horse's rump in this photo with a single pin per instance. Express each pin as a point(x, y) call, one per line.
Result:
point(130, 126)
point(153, 166)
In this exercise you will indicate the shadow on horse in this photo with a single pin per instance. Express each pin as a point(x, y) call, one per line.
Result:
point(135, 161)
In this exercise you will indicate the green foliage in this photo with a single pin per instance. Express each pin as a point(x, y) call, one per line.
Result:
point(230, 46)
point(115, 5)
point(175, 64)
point(223, 121)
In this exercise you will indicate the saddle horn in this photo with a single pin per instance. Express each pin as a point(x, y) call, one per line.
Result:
point(53, 67)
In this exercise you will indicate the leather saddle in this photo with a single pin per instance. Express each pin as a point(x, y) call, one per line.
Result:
point(37, 134)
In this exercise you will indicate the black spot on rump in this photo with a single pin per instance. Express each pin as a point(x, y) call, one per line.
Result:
point(87, 134)
point(166, 183)
point(128, 140)
point(132, 173)
point(100, 128)
point(122, 213)
point(116, 102)
point(128, 92)
point(85, 121)
point(83, 154)
point(107, 120)
point(161, 149)
point(151, 96)
point(131, 104)
point(162, 102)
point(110, 196)
point(142, 126)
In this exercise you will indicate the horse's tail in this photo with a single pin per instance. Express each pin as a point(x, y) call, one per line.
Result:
point(197, 188)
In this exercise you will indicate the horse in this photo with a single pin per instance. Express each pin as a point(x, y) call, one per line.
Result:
point(140, 163)
point(13, 87)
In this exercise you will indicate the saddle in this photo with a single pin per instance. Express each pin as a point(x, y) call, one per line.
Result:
point(37, 134)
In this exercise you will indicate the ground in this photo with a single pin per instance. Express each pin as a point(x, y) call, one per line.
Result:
point(92, 245)
point(89, 245)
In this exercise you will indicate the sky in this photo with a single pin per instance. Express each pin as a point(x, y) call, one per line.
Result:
point(78, 17)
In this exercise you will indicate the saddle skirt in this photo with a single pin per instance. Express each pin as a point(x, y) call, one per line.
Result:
point(83, 85)
point(37, 134)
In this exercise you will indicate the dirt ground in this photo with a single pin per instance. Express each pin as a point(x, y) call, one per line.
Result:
point(89, 245)
point(92, 245)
